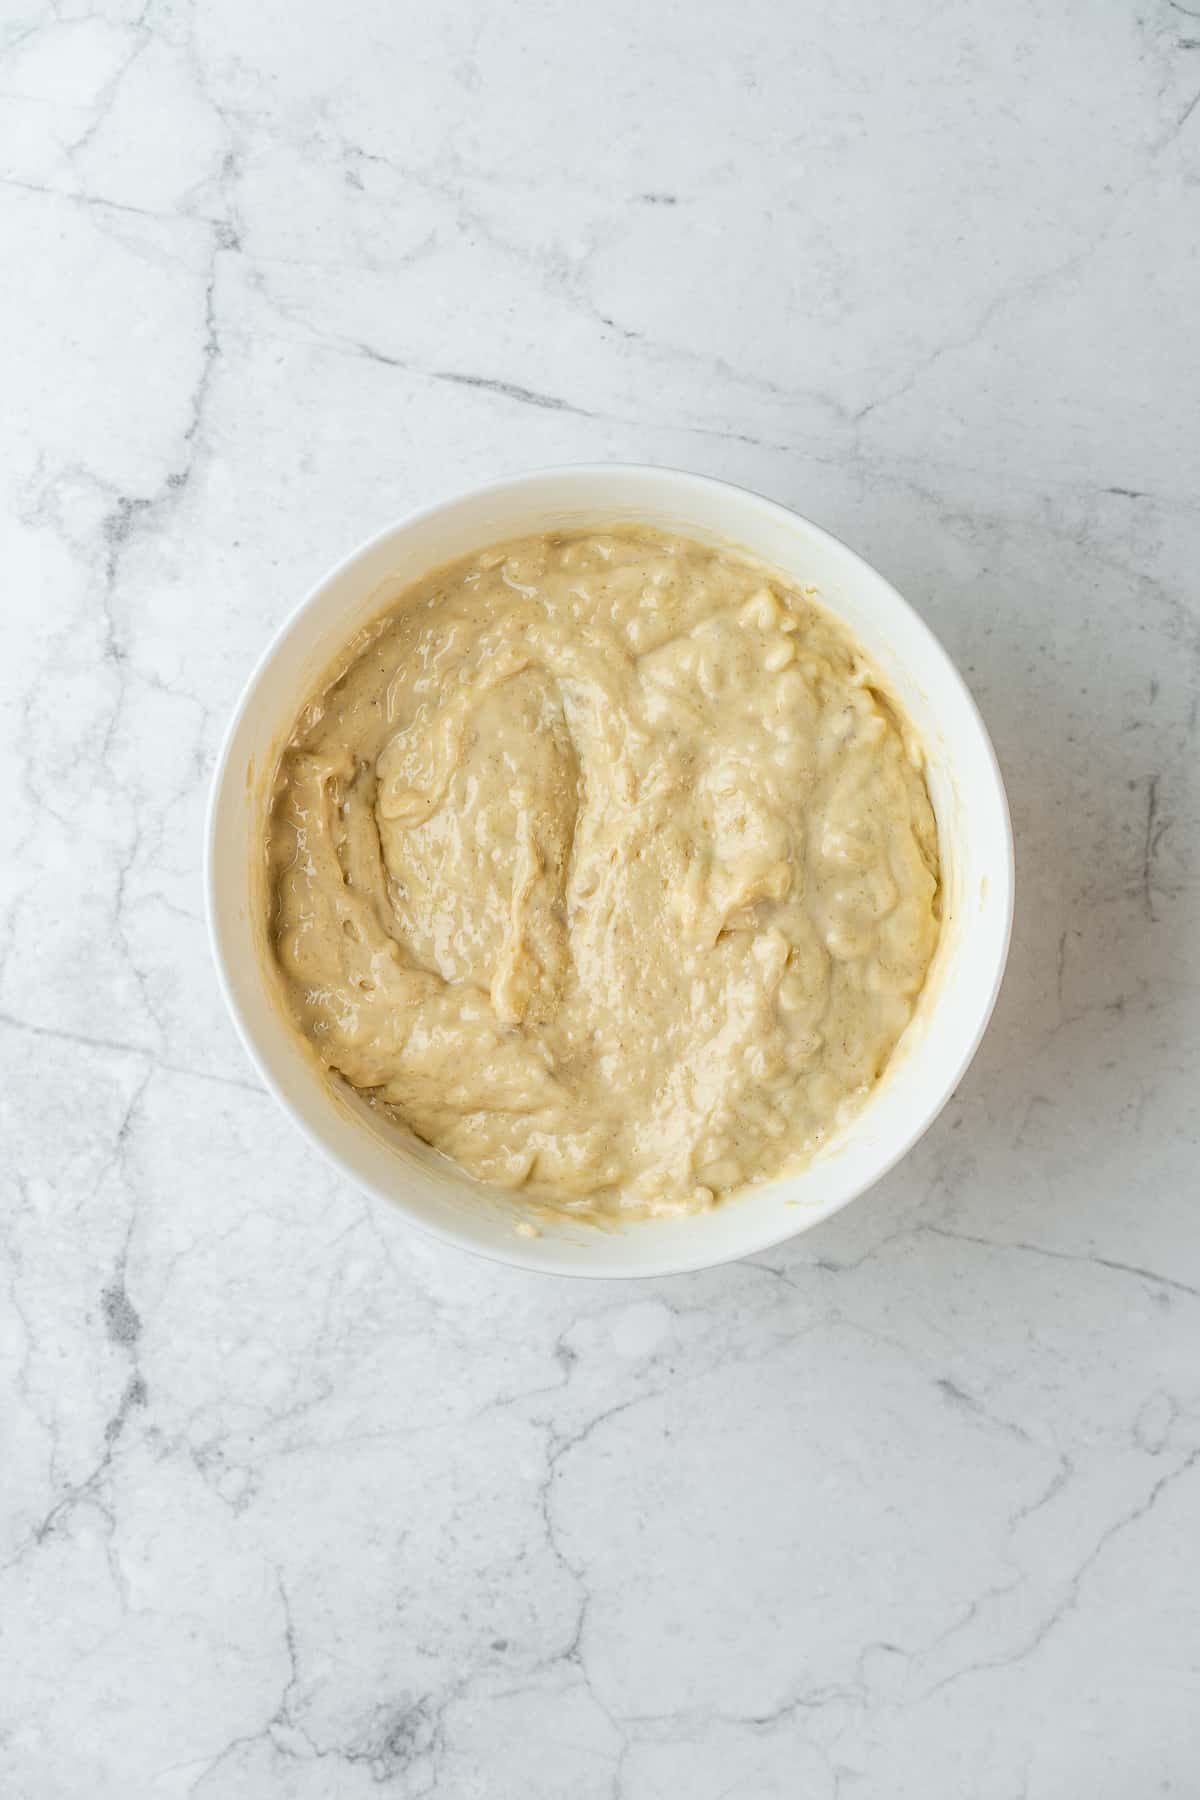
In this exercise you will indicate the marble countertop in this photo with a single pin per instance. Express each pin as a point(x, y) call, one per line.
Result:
point(297, 1505)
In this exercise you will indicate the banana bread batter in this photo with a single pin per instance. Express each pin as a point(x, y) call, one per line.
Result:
point(602, 865)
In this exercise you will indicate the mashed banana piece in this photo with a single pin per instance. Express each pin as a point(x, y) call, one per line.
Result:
point(600, 863)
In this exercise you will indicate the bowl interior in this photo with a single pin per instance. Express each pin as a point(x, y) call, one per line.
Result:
point(964, 784)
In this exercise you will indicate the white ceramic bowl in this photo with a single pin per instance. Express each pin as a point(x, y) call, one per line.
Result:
point(964, 784)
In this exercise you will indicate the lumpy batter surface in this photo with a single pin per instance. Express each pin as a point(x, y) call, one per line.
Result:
point(601, 863)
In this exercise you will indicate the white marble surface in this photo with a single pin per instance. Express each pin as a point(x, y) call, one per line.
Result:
point(296, 1505)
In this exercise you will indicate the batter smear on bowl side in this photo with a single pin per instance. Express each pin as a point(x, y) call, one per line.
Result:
point(601, 863)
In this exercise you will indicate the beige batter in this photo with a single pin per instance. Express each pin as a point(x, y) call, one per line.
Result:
point(599, 861)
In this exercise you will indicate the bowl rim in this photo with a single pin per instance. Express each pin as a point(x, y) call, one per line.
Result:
point(517, 1255)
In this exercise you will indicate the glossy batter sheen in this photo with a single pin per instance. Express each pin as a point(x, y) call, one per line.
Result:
point(600, 862)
